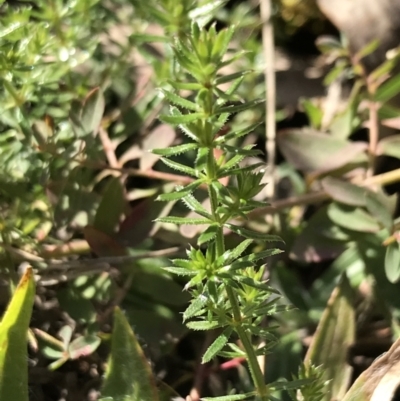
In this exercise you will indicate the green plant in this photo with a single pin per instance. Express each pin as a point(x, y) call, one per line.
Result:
point(228, 287)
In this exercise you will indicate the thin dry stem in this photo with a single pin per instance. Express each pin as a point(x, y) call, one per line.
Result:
point(270, 83)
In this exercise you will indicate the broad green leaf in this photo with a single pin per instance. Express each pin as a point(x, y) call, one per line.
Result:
point(389, 146)
point(128, 376)
point(344, 192)
point(312, 151)
point(13, 340)
point(392, 262)
point(352, 218)
point(217, 345)
point(111, 207)
point(330, 345)
point(380, 381)
point(92, 111)
point(379, 210)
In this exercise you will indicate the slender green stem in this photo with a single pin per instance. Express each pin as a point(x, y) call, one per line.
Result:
point(255, 370)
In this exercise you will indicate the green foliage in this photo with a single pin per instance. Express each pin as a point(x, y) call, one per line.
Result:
point(13, 337)
point(84, 84)
point(128, 376)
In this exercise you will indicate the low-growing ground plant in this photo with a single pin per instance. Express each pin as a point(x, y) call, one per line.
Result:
point(138, 243)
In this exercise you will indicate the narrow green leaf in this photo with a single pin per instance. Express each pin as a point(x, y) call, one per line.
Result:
point(253, 257)
point(128, 375)
point(388, 89)
point(232, 254)
point(179, 167)
point(183, 220)
point(203, 325)
point(180, 271)
point(217, 345)
point(111, 207)
point(194, 205)
point(392, 262)
point(389, 146)
point(237, 134)
point(233, 397)
point(175, 150)
point(207, 235)
point(256, 284)
point(230, 77)
point(236, 108)
point(330, 345)
point(175, 195)
point(253, 234)
point(182, 119)
point(92, 110)
point(13, 339)
point(179, 194)
point(180, 101)
point(196, 305)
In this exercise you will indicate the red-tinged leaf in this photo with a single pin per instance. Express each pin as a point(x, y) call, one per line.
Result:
point(140, 223)
point(102, 244)
point(161, 137)
point(392, 122)
point(83, 346)
point(111, 207)
point(312, 151)
point(320, 240)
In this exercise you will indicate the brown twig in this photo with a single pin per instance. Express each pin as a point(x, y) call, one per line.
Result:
point(109, 148)
point(320, 196)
